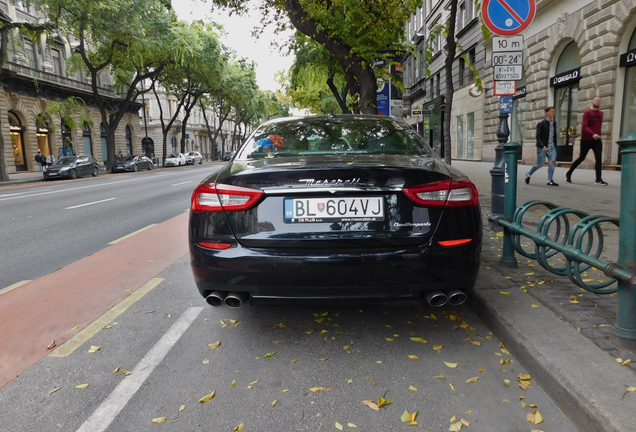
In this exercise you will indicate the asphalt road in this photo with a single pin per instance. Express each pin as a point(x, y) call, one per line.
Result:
point(51, 224)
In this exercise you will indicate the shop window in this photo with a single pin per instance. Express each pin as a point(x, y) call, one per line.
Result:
point(67, 149)
point(86, 140)
point(17, 141)
point(129, 140)
point(470, 135)
point(566, 98)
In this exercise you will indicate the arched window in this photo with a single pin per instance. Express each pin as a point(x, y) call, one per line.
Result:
point(566, 100)
point(129, 148)
point(67, 141)
point(17, 140)
point(86, 140)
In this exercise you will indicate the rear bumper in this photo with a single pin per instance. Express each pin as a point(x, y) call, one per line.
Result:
point(269, 274)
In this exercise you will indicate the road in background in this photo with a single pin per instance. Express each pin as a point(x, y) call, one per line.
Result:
point(52, 224)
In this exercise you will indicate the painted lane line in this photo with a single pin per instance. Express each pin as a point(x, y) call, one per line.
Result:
point(177, 184)
point(104, 415)
point(13, 194)
point(91, 330)
point(152, 177)
point(14, 286)
point(131, 234)
point(91, 203)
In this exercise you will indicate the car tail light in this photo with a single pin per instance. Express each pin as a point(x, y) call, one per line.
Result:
point(459, 192)
point(212, 197)
point(448, 243)
point(216, 245)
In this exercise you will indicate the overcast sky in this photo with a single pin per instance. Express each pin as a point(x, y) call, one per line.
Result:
point(268, 60)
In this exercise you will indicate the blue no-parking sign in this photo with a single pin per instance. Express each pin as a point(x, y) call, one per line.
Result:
point(508, 17)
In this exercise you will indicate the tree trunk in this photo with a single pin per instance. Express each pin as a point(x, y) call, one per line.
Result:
point(451, 45)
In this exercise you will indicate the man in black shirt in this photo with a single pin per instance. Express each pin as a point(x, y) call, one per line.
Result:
point(546, 146)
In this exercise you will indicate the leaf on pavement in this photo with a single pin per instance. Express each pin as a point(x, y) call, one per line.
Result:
point(481, 370)
point(51, 345)
point(236, 324)
point(125, 372)
point(534, 417)
point(524, 377)
point(275, 402)
point(338, 426)
point(477, 343)
point(351, 425)
point(74, 328)
point(116, 370)
point(439, 377)
point(286, 391)
point(319, 320)
point(279, 326)
point(93, 349)
point(438, 347)
point(371, 404)
point(505, 351)
point(453, 419)
point(268, 355)
point(382, 402)
point(350, 381)
point(239, 427)
point(390, 340)
point(504, 292)
point(535, 306)
point(158, 420)
point(54, 390)
point(418, 339)
point(452, 386)
point(205, 361)
point(322, 332)
point(456, 427)
point(310, 331)
point(451, 365)
point(214, 345)
point(324, 359)
point(472, 380)
point(412, 416)
point(631, 389)
point(465, 422)
point(81, 386)
point(412, 388)
point(507, 382)
point(233, 383)
point(506, 401)
point(316, 389)
point(411, 356)
point(181, 408)
point(206, 398)
point(406, 416)
point(223, 324)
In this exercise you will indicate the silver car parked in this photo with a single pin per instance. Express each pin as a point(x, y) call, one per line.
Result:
point(194, 157)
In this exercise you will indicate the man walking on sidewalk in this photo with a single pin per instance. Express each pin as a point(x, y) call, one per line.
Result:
point(590, 140)
point(546, 146)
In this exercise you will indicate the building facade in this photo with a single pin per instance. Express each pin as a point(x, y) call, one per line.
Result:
point(36, 74)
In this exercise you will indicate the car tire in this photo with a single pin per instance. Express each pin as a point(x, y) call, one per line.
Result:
point(150, 167)
point(135, 168)
point(95, 172)
point(201, 161)
point(73, 174)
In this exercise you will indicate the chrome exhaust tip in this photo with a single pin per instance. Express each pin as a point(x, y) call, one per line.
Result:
point(456, 297)
point(436, 298)
point(235, 299)
point(216, 298)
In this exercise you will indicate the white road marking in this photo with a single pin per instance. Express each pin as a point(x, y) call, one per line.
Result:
point(177, 184)
point(104, 415)
point(90, 203)
point(14, 286)
point(13, 194)
point(131, 234)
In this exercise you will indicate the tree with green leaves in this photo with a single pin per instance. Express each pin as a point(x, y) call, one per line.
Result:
point(355, 32)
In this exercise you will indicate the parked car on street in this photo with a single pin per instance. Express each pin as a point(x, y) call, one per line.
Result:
point(342, 208)
point(133, 163)
point(228, 156)
point(177, 159)
point(194, 157)
point(72, 167)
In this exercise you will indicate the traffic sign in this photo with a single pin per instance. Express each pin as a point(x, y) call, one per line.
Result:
point(507, 44)
point(505, 105)
point(505, 88)
point(508, 17)
point(512, 58)
point(508, 73)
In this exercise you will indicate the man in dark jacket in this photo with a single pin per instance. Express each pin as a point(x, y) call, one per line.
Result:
point(546, 146)
point(41, 160)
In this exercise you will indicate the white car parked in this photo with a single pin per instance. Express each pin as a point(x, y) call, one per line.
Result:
point(176, 160)
point(194, 157)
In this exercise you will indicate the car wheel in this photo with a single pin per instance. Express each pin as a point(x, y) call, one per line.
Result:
point(150, 166)
point(73, 174)
point(135, 168)
point(201, 161)
point(95, 172)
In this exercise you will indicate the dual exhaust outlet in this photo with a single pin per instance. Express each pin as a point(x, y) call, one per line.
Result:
point(232, 299)
point(453, 297)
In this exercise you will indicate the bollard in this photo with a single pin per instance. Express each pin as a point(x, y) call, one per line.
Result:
point(498, 171)
point(510, 203)
point(625, 327)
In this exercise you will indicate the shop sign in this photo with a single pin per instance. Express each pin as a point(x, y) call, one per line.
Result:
point(521, 92)
point(416, 110)
point(14, 128)
point(628, 59)
point(566, 78)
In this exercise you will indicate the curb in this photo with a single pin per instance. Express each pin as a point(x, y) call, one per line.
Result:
point(586, 382)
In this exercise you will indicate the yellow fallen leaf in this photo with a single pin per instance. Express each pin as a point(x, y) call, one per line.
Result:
point(338, 426)
point(74, 328)
point(505, 351)
point(181, 408)
point(451, 365)
point(439, 376)
point(530, 274)
point(279, 326)
point(507, 382)
point(382, 402)
point(390, 340)
point(465, 422)
point(413, 423)
point(324, 359)
point(476, 343)
point(524, 377)
point(322, 332)
point(506, 401)
point(268, 355)
point(535, 306)
point(413, 356)
point(239, 427)
point(626, 362)
point(94, 349)
point(472, 380)
point(452, 386)
point(523, 404)
point(169, 316)
point(351, 425)
point(206, 361)
point(371, 404)
point(253, 382)
point(453, 419)
point(631, 389)
point(294, 361)
point(418, 339)
point(406, 416)
point(125, 372)
point(319, 320)
point(51, 345)
point(412, 388)
point(158, 420)
point(316, 389)
point(275, 402)
point(54, 390)
point(504, 292)
point(116, 370)
point(310, 331)
point(236, 324)
point(214, 345)
point(455, 427)
point(350, 381)
point(81, 386)
point(206, 398)
point(438, 347)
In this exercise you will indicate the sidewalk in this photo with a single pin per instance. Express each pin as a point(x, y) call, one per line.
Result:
point(560, 331)
point(23, 177)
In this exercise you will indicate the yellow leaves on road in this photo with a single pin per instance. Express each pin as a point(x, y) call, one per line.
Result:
point(411, 356)
point(223, 324)
point(116, 370)
point(268, 355)
point(279, 326)
point(382, 402)
point(507, 382)
point(371, 404)
point(456, 427)
point(472, 380)
point(631, 389)
point(451, 365)
point(418, 339)
point(55, 389)
point(524, 377)
point(310, 331)
point(275, 402)
point(476, 343)
point(81, 386)
point(504, 292)
point(324, 359)
point(205, 361)
point(409, 417)
point(338, 426)
point(207, 397)
point(439, 377)
point(412, 388)
point(452, 386)
point(51, 345)
point(535, 417)
point(438, 348)
point(506, 401)
point(350, 381)
point(317, 389)
point(214, 345)
point(351, 425)
point(94, 349)
point(535, 306)
point(323, 314)
point(239, 427)
point(319, 320)
point(322, 332)
point(252, 384)
point(158, 420)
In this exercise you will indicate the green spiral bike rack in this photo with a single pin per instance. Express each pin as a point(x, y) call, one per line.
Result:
point(580, 243)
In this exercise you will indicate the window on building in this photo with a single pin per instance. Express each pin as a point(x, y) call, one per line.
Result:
point(57, 61)
point(461, 16)
point(471, 11)
point(417, 66)
point(23, 6)
point(437, 84)
point(468, 74)
point(470, 135)
point(30, 53)
point(86, 140)
point(418, 20)
point(129, 140)
point(103, 137)
point(460, 70)
point(460, 136)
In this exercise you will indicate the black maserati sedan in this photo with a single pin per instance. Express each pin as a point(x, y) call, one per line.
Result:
point(342, 208)
point(133, 163)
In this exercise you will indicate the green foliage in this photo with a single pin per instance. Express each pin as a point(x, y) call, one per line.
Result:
point(70, 112)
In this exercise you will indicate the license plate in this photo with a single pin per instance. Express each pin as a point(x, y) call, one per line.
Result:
point(51, 173)
point(313, 210)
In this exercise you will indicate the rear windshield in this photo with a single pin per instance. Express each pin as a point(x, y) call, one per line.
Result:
point(357, 135)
